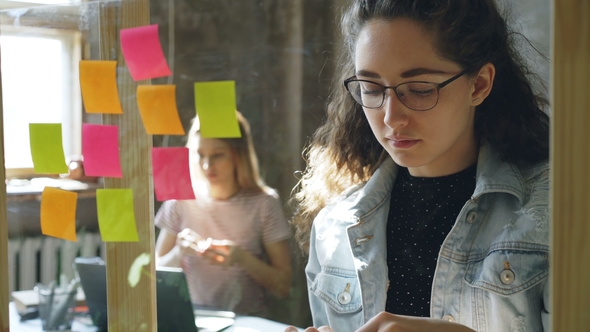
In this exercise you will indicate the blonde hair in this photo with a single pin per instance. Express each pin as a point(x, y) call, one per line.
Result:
point(247, 169)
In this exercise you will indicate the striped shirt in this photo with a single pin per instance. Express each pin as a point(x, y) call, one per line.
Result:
point(250, 220)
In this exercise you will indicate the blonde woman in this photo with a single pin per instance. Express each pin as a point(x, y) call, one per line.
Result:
point(231, 240)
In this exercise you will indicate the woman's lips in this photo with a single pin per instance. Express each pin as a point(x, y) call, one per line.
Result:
point(402, 143)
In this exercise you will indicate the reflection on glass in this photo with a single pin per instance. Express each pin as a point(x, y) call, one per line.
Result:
point(231, 240)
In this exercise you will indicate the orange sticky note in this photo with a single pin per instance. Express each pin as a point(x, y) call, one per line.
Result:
point(116, 215)
point(157, 106)
point(98, 81)
point(58, 213)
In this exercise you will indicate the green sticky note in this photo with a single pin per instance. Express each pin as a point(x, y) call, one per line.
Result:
point(47, 148)
point(116, 215)
point(216, 107)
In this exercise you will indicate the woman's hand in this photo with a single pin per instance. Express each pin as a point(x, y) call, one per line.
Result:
point(309, 329)
point(275, 276)
point(222, 252)
point(190, 242)
point(386, 322)
point(217, 252)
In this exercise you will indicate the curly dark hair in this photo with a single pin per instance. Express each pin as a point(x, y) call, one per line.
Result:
point(511, 120)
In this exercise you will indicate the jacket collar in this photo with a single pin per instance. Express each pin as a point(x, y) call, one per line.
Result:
point(362, 199)
point(493, 175)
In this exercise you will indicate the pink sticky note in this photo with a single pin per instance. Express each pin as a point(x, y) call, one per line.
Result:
point(100, 148)
point(143, 52)
point(172, 179)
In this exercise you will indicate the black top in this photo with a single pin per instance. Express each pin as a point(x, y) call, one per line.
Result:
point(422, 213)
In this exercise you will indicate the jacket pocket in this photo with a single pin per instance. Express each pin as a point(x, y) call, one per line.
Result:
point(339, 289)
point(507, 272)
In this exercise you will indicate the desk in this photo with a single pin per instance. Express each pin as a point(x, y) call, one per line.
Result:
point(241, 324)
point(34, 325)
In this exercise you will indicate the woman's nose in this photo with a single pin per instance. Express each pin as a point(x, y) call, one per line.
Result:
point(396, 113)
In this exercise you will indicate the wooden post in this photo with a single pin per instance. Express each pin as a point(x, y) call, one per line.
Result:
point(570, 259)
point(129, 309)
point(4, 296)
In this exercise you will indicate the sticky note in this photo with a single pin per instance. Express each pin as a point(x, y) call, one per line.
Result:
point(116, 215)
point(172, 179)
point(157, 106)
point(98, 82)
point(143, 52)
point(100, 148)
point(58, 213)
point(134, 274)
point(216, 107)
point(47, 148)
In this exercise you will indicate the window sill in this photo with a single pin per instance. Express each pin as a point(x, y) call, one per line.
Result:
point(17, 190)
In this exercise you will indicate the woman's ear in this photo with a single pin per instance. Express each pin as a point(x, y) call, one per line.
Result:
point(482, 85)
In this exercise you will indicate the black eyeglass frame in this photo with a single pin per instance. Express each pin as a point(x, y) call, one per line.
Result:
point(438, 86)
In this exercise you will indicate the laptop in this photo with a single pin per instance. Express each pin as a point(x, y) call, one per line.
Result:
point(174, 307)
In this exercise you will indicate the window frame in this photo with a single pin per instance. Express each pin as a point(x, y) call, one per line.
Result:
point(71, 95)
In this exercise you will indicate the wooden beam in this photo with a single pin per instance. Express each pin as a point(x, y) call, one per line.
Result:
point(129, 308)
point(570, 268)
point(4, 296)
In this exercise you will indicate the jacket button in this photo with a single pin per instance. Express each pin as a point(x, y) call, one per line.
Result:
point(471, 217)
point(507, 277)
point(449, 318)
point(344, 298)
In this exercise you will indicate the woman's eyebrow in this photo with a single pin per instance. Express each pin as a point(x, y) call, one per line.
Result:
point(214, 149)
point(367, 73)
point(421, 71)
point(406, 74)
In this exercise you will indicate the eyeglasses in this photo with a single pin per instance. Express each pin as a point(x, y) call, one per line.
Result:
point(416, 95)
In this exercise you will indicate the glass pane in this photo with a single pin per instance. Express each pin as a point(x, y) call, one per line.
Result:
point(281, 55)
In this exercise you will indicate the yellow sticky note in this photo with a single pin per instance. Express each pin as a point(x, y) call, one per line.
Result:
point(216, 108)
point(157, 106)
point(47, 148)
point(116, 215)
point(98, 82)
point(58, 213)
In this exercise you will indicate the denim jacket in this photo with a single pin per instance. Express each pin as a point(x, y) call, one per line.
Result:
point(492, 269)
